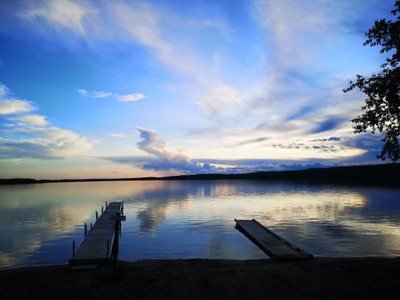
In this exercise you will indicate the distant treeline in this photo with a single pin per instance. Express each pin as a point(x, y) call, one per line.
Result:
point(384, 174)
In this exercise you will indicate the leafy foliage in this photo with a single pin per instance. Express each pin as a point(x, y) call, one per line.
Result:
point(382, 105)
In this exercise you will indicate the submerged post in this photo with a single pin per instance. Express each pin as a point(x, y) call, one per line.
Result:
point(102, 209)
point(85, 229)
point(91, 225)
point(97, 215)
point(73, 248)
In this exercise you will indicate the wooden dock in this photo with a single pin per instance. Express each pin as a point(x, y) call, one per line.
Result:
point(269, 242)
point(97, 245)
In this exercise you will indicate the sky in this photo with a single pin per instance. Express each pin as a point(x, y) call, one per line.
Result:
point(111, 89)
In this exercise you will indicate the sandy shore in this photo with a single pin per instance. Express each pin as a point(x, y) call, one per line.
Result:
point(322, 278)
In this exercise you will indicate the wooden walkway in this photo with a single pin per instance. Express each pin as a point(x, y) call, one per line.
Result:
point(97, 244)
point(269, 242)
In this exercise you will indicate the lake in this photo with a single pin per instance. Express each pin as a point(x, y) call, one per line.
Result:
point(195, 219)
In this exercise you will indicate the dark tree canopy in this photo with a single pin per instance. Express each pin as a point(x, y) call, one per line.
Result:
point(382, 105)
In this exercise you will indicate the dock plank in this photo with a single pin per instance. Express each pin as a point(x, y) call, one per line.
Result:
point(269, 242)
point(93, 248)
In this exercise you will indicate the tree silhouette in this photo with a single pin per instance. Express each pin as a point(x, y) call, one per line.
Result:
point(382, 105)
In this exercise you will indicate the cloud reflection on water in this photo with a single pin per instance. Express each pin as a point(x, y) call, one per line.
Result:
point(324, 219)
point(195, 218)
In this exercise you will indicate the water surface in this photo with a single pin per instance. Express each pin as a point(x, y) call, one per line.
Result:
point(194, 219)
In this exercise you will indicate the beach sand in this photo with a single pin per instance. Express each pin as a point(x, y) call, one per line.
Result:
point(321, 278)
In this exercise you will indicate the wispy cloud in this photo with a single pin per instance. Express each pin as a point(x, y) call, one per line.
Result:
point(120, 135)
point(83, 92)
point(131, 97)
point(272, 100)
point(94, 94)
point(153, 28)
point(3, 89)
point(101, 94)
point(61, 14)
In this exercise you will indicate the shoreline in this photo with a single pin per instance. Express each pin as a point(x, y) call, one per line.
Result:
point(321, 278)
point(379, 174)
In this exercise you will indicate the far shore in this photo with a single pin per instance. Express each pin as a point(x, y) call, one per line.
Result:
point(321, 278)
point(381, 175)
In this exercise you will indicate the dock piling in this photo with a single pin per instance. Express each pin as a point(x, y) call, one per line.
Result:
point(85, 229)
point(73, 248)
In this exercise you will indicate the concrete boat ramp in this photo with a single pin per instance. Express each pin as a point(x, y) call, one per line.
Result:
point(269, 242)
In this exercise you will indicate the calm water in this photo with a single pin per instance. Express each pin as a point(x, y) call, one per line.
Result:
point(192, 219)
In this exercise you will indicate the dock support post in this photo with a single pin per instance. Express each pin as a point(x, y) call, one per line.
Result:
point(97, 215)
point(91, 225)
point(102, 209)
point(106, 204)
point(73, 248)
point(85, 229)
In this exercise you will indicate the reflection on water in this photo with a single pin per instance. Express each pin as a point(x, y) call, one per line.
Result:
point(181, 219)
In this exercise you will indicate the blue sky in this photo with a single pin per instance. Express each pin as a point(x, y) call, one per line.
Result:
point(94, 89)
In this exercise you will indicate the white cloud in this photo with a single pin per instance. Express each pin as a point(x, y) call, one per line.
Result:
point(141, 22)
point(14, 106)
point(165, 159)
point(119, 135)
point(299, 32)
point(66, 142)
point(62, 13)
point(83, 92)
point(102, 94)
point(45, 142)
point(152, 28)
point(24, 148)
point(3, 90)
point(94, 94)
point(299, 28)
point(37, 120)
point(217, 98)
point(131, 97)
